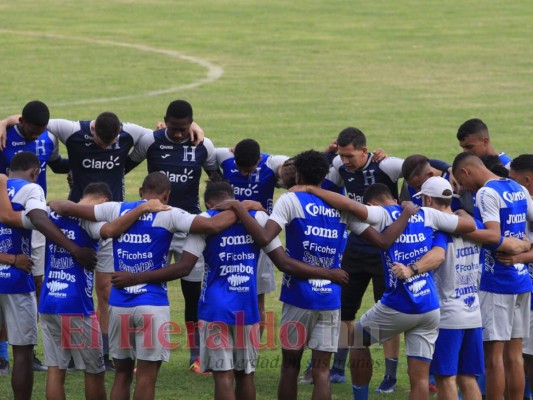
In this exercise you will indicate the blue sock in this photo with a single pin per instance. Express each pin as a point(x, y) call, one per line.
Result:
point(360, 392)
point(391, 366)
point(4, 350)
point(339, 362)
point(527, 390)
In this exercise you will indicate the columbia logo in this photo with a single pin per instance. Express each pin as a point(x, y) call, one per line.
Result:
point(237, 280)
point(318, 283)
point(56, 286)
point(417, 286)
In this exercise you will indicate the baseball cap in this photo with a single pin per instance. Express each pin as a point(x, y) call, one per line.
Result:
point(436, 187)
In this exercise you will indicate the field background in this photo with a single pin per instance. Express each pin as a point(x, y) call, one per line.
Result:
point(294, 73)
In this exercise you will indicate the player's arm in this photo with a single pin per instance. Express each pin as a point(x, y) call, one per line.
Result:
point(4, 123)
point(119, 225)
point(60, 165)
point(429, 261)
point(68, 208)
point(8, 216)
point(20, 261)
point(301, 270)
point(511, 259)
point(196, 134)
point(335, 200)
point(386, 238)
point(213, 225)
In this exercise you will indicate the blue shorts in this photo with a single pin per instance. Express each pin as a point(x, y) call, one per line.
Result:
point(458, 352)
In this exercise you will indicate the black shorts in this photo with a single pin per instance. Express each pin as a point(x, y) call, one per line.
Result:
point(362, 267)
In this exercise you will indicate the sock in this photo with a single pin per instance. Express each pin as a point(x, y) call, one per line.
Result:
point(4, 350)
point(194, 351)
point(527, 390)
point(105, 344)
point(391, 366)
point(339, 362)
point(360, 392)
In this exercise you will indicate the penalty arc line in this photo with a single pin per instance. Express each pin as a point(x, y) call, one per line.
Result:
point(214, 72)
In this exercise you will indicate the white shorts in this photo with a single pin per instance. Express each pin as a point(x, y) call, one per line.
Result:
point(76, 336)
point(139, 332)
point(174, 255)
point(19, 312)
point(105, 262)
point(382, 323)
point(235, 348)
point(318, 329)
point(527, 343)
point(38, 250)
point(266, 282)
point(504, 316)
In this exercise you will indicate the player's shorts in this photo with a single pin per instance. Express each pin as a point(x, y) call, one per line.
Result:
point(266, 282)
point(382, 323)
point(76, 336)
point(318, 329)
point(458, 352)
point(233, 348)
point(504, 316)
point(38, 247)
point(19, 312)
point(174, 254)
point(527, 343)
point(105, 262)
point(139, 332)
point(362, 268)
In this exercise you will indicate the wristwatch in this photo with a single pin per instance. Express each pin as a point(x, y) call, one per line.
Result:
point(414, 268)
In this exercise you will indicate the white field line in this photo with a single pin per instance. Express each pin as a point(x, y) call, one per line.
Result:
point(214, 72)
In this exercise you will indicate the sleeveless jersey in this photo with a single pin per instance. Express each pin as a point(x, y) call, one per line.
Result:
point(505, 201)
point(229, 290)
point(315, 238)
point(45, 148)
point(67, 286)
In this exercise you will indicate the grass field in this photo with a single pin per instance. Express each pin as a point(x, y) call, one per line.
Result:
point(290, 74)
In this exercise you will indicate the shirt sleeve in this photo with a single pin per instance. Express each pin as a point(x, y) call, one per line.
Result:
point(210, 163)
point(392, 166)
point(107, 211)
point(378, 217)
point(529, 205)
point(333, 175)
point(195, 244)
point(489, 203)
point(181, 220)
point(439, 220)
point(135, 131)
point(140, 150)
point(63, 128)
point(275, 162)
point(262, 218)
point(92, 228)
point(441, 239)
point(222, 154)
point(283, 213)
point(34, 198)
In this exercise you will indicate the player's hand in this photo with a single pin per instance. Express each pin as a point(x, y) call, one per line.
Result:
point(252, 205)
point(122, 279)
point(160, 125)
point(515, 245)
point(457, 188)
point(154, 205)
point(379, 155)
point(86, 257)
point(339, 276)
point(508, 259)
point(227, 205)
point(332, 148)
point(23, 262)
point(196, 134)
point(3, 134)
point(410, 208)
point(401, 271)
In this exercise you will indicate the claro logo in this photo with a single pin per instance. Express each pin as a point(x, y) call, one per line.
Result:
point(101, 164)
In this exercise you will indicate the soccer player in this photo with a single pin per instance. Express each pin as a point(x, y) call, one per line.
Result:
point(144, 246)
point(473, 136)
point(504, 207)
point(314, 235)
point(231, 259)
point(409, 305)
point(17, 288)
point(171, 151)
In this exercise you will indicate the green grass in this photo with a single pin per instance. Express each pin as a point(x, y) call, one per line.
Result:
point(407, 73)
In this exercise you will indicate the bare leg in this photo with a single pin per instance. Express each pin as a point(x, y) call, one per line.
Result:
point(514, 369)
point(95, 386)
point(469, 387)
point(320, 365)
point(261, 305)
point(22, 375)
point(123, 378)
point(290, 368)
point(146, 378)
point(418, 378)
point(495, 372)
point(55, 384)
point(446, 387)
point(245, 386)
point(224, 385)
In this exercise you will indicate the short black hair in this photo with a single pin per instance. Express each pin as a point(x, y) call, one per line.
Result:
point(23, 161)
point(179, 109)
point(523, 163)
point(98, 189)
point(312, 167)
point(36, 113)
point(351, 136)
point(463, 158)
point(107, 127)
point(413, 165)
point(471, 127)
point(156, 182)
point(218, 190)
point(494, 165)
point(246, 153)
point(377, 191)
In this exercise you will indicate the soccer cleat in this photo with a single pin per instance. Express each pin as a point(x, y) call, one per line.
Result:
point(4, 367)
point(432, 388)
point(195, 367)
point(336, 377)
point(387, 385)
point(38, 365)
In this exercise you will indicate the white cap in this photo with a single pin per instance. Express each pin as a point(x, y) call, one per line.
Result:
point(435, 187)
